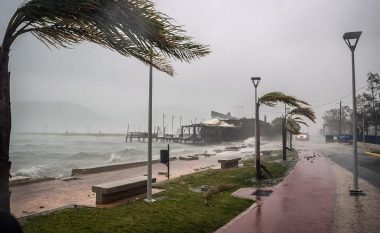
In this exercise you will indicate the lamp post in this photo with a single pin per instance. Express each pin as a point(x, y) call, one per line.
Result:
point(256, 81)
point(149, 173)
point(340, 118)
point(351, 39)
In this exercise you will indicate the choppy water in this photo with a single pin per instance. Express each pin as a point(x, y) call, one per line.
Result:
point(56, 155)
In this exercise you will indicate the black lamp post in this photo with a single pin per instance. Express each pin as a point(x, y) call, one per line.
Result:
point(256, 81)
point(351, 39)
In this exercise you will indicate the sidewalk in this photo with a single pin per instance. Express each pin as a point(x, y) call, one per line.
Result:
point(303, 202)
point(313, 198)
point(355, 214)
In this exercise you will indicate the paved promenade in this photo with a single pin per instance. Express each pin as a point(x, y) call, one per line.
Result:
point(313, 198)
point(303, 202)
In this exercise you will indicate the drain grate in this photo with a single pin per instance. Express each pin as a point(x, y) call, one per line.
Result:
point(262, 193)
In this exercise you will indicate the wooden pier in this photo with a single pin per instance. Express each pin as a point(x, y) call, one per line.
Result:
point(142, 136)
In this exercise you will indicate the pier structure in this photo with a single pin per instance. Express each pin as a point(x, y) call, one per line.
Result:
point(142, 136)
point(221, 128)
point(198, 133)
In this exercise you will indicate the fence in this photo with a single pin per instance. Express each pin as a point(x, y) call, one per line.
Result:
point(348, 138)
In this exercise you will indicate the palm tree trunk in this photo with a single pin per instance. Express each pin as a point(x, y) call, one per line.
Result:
point(283, 139)
point(5, 129)
point(290, 140)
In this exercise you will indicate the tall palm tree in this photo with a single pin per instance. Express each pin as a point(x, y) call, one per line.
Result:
point(131, 28)
point(272, 99)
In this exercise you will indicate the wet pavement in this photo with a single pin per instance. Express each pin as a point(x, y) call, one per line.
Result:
point(355, 214)
point(342, 154)
point(38, 197)
point(303, 202)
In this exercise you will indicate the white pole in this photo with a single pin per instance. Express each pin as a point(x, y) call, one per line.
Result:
point(354, 128)
point(149, 181)
point(255, 110)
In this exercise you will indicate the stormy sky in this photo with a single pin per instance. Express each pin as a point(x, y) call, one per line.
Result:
point(295, 46)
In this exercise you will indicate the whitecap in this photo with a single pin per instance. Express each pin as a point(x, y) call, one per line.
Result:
point(115, 158)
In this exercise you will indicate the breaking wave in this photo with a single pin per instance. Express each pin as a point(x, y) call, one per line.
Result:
point(39, 171)
point(115, 158)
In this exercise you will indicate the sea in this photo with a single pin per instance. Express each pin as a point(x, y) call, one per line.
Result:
point(47, 155)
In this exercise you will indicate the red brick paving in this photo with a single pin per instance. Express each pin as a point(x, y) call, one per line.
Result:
point(303, 202)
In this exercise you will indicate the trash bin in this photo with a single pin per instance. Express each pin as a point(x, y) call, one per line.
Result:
point(164, 156)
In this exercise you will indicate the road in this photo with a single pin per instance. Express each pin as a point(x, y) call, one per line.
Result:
point(342, 154)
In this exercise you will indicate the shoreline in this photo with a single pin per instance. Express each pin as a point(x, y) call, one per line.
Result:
point(55, 158)
point(36, 197)
point(239, 148)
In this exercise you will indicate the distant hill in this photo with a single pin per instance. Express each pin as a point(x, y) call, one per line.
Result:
point(41, 116)
point(53, 117)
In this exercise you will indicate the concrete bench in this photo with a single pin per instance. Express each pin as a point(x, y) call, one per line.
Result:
point(116, 190)
point(229, 163)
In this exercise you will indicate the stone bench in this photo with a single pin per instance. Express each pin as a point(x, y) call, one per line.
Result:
point(229, 163)
point(116, 190)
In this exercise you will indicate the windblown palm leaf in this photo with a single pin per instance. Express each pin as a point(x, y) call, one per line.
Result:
point(302, 122)
point(130, 27)
point(273, 98)
point(303, 111)
point(292, 126)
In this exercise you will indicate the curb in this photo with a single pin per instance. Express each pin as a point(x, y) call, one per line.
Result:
point(49, 211)
point(230, 223)
point(372, 154)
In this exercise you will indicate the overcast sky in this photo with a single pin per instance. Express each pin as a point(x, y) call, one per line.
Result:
point(295, 46)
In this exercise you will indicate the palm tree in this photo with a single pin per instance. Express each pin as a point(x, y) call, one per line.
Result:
point(131, 28)
point(271, 99)
point(294, 119)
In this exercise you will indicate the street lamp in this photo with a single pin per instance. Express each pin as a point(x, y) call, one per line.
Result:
point(149, 173)
point(340, 118)
point(351, 39)
point(256, 81)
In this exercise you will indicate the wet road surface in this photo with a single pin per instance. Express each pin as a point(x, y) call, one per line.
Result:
point(342, 154)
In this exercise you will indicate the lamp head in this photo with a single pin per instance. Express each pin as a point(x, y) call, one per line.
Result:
point(255, 81)
point(351, 39)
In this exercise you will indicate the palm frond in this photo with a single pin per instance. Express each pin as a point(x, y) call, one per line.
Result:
point(130, 27)
point(303, 111)
point(273, 98)
point(292, 126)
point(302, 122)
